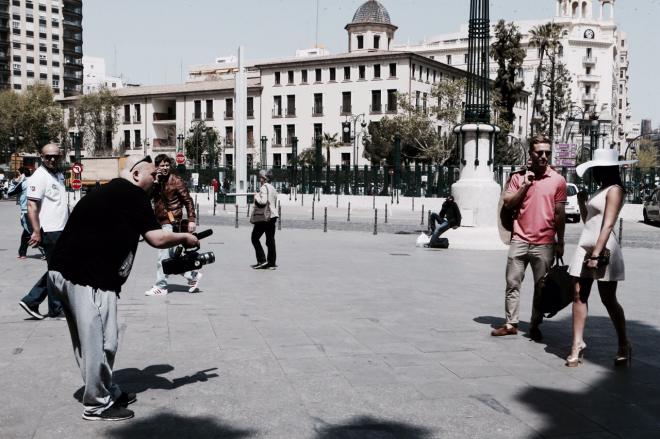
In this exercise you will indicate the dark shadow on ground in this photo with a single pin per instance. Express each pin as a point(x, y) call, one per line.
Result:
point(366, 427)
point(173, 426)
point(494, 322)
point(621, 402)
point(139, 380)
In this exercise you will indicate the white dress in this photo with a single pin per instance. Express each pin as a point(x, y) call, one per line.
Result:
point(615, 270)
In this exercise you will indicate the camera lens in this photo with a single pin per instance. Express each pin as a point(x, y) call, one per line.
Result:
point(207, 258)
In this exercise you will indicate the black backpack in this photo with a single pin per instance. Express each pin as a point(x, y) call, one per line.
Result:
point(442, 243)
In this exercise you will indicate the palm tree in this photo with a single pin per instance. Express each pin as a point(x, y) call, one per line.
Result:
point(544, 37)
point(330, 141)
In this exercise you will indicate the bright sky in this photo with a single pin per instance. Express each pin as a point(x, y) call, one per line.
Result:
point(149, 40)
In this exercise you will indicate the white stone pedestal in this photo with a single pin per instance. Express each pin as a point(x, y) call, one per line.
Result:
point(476, 191)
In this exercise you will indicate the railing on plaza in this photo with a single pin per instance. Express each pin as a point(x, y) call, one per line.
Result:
point(409, 180)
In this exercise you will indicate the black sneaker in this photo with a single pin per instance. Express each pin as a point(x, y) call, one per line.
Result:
point(32, 310)
point(125, 399)
point(267, 266)
point(113, 413)
point(59, 316)
point(258, 265)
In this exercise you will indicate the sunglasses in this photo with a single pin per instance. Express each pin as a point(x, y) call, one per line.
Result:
point(147, 159)
point(546, 153)
point(48, 157)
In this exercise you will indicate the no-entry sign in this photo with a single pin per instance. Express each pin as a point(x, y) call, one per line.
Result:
point(77, 168)
point(76, 184)
point(180, 158)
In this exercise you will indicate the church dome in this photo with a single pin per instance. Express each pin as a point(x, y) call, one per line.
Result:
point(371, 11)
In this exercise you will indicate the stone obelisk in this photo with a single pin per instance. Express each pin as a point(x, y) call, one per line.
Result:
point(240, 130)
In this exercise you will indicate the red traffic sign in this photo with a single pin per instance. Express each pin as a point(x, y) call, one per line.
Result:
point(76, 184)
point(180, 158)
point(77, 168)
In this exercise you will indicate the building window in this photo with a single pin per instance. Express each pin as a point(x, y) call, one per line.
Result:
point(277, 78)
point(138, 114)
point(317, 110)
point(209, 109)
point(277, 106)
point(360, 42)
point(466, 58)
point(290, 134)
point(229, 108)
point(376, 41)
point(277, 140)
point(346, 102)
point(424, 98)
point(250, 135)
point(250, 107)
point(318, 75)
point(318, 130)
point(391, 101)
point(290, 77)
point(304, 76)
point(229, 136)
point(127, 114)
point(449, 60)
point(376, 106)
point(333, 74)
point(376, 70)
point(277, 160)
point(197, 112)
point(138, 139)
point(291, 105)
point(347, 73)
point(393, 70)
point(127, 139)
point(362, 72)
point(417, 100)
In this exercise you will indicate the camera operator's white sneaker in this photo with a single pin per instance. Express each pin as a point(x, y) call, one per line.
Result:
point(155, 291)
point(193, 284)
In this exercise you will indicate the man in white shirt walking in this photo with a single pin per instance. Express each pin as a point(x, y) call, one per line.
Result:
point(48, 212)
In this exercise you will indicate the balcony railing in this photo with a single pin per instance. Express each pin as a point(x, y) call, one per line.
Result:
point(276, 141)
point(589, 60)
point(588, 97)
point(277, 112)
point(391, 109)
point(127, 120)
point(197, 116)
point(345, 109)
point(208, 115)
point(160, 117)
point(229, 114)
point(137, 119)
point(289, 141)
point(589, 78)
point(317, 110)
point(250, 113)
point(291, 112)
point(375, 108)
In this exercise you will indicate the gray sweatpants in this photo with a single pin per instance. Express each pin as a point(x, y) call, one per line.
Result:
point(92, 318)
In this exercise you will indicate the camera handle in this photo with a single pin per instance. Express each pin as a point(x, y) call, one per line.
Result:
point(199, 235)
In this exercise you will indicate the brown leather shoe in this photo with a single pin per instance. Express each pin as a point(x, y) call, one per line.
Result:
point(504, 330)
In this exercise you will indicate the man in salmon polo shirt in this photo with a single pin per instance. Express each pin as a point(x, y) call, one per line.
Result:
point(539, 196)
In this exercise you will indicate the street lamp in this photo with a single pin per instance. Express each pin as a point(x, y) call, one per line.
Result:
point(180, 138)
point(354, 118)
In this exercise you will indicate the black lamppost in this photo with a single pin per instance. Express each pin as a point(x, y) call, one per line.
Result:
point(354, 118)
point(75, 139)
point(180, 138)
point(264, 157)
point(9, 151)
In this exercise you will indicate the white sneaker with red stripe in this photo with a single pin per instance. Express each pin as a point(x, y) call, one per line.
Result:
point(155, 291)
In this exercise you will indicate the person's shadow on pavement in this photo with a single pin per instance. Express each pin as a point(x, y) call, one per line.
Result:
point(362, 427)
point(138, 380)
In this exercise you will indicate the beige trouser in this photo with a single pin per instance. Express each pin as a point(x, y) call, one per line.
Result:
point(540, 257)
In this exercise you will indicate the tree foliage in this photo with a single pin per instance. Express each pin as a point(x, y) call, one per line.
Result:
point(96, 116)
point(308, 157)
point(203, 140)
point(647, 154)
point(417, 126)
point(34, 115)
point(330, 141)
point(509, 56)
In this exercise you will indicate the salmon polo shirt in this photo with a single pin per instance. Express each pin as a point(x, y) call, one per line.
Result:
point(535, 223)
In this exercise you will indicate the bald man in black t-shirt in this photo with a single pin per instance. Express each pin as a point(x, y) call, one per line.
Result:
point(91, 262)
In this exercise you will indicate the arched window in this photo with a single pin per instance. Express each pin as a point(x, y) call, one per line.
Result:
point(574, 9)
point(584, 9)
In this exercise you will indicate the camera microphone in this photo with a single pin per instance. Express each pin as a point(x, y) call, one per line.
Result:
point(203, 234)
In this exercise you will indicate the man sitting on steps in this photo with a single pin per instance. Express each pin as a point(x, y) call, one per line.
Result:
point(449, 217)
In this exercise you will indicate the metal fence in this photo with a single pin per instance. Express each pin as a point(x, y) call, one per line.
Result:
point(417, 181)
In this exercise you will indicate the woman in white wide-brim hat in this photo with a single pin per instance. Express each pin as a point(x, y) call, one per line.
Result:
point(590, 263)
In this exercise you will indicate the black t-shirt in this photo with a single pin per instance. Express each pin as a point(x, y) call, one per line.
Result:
point(98, 244)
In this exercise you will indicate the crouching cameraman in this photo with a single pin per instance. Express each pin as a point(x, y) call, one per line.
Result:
point(90, 263)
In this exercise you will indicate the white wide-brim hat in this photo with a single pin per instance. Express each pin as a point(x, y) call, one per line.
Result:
point(603, 157)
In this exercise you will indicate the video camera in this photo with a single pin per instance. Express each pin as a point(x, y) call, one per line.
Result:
point(190, 259)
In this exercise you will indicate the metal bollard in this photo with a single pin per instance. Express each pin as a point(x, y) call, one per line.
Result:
point(198, 221)
point(422, 223)
point(313, 204)
point(325, 220)
point(248, 211)
point(224, 202)
point(337, 200)
point(295, 194)
point(374, 200)
point(214, 207)
point(349, 211)
point(291, 190)
point(279, 217)
point(397, 196)
point(385, 213)
point(620, 230)
point(392, 202)
point(376, 222)
point(236, 216)
point(302, 199)
point(413, 204)
point(319, 194)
